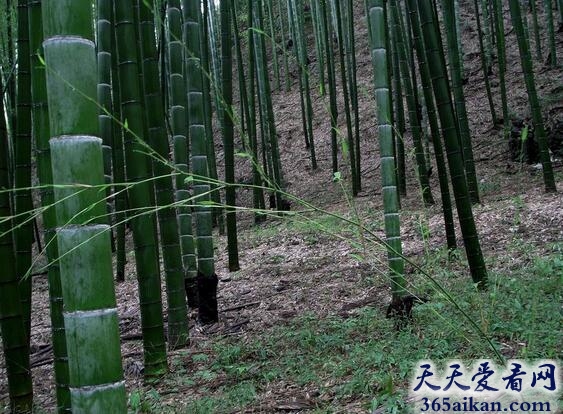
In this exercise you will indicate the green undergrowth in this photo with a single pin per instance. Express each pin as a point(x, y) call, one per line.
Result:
point(361, 360)
point(303, 223)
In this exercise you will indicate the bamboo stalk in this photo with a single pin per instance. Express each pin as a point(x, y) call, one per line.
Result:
point(206, 277)
point(527, 68)
point(40, 117)
point(140, 193)
point(445, 108)
point(23, 236)
point(228, 134)
point(179, 126)
point(90, 313)
point(389, 184)
point(426, 81)
point(412, 106)
point(167, 219)
point(15, 342)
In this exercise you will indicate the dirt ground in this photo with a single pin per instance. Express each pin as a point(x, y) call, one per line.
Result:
point(284, 274)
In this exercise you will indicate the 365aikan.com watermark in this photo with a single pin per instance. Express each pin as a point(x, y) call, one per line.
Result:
point(517, 387)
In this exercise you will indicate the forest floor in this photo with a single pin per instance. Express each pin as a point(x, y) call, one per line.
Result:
point(302, 324)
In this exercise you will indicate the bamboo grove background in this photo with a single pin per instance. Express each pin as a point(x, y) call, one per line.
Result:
point(136, 115)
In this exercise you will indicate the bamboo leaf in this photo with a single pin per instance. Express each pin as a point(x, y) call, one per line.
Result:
point(524, 135)
point(357, 257)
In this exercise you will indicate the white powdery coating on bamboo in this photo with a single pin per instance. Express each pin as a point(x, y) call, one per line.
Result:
point(68, 39)
point(73, 139)
point(92, 313)
point(92, 389)
point(77, 228)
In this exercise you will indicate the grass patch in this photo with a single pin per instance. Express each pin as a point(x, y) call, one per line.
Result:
point(303, 224)
point(362, 359)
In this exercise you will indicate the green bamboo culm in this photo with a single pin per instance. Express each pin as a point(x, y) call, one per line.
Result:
point(354, 166)
point(239, 123)
point(302, 60)
point(319, 44)
point(485, 64)
point(254, 50)
point(206, 278)
point(548, 9)
point(118, 161)
point(179, 129)
point(411, 104)
point(293, 33)
point(90, 313)
point(353, 77)
point(537, 117)
point(257, 192)
point(486, 36)
point(140, 192)
point(269, 11)
point(399, 114)
point(434, 127)
point(103, 36)
point(23, 239)
point(213, 40)
point(41, 135)
point(331, 75)
point(285, 59)
point(167, 218)
point(12, 323)
point(9, 92)
point(245, 112)
point(228, 133)
point(379, 55)
point(536, 26)
point(295, 16)
point(398, 142)
point(501, 57)
point(459, 100)
point(438, 73)
point(217, 212)
point(264, 93)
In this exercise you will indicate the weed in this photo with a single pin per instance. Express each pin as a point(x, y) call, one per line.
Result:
point(145, 402)
point(489, 187)
point(362, 358)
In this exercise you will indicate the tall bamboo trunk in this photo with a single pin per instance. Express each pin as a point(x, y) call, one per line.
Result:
point(228, 133)
point(118, 161)
point(13, 327)
point(446, 112)
point(376, 15)
point(206, 54)
point(434, 128)
point(167, 219)
point(412, 104)
point(265, 103)
point(90, 313)
point(140, 192)
point(22, 198)
point(40, 118)
point(527, 68)
point(355, 173)
point(206, 276)
point(257, 179)
point(179, 129)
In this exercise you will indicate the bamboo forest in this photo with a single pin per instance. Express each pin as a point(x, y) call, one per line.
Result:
point(280, 206)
